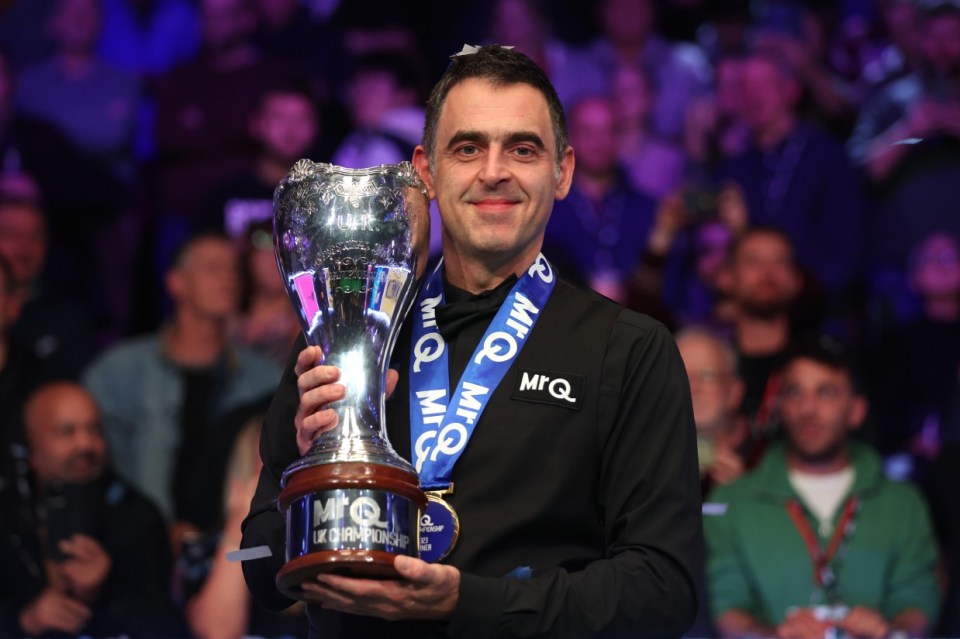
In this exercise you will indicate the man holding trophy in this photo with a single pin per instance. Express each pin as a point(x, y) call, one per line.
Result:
point(550, 428)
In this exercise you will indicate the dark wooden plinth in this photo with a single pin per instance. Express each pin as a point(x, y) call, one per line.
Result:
point(370, 564)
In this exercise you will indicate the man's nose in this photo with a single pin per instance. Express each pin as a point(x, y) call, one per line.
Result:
point(494, 169)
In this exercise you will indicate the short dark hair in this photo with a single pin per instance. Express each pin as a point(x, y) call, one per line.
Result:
point(753, 231)
point(202, 235)
point(500, 66)
point(829, 352)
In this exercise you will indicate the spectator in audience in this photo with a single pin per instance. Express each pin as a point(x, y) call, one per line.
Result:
point(286, 128)
point(797, 178)
point(714, 128)
point(798, 34)
point(597, 231)
point(20, 372)
point(204, 107)
point(91, 101)
point(654, 166)
point(167, 397)
point(221, 586)
point(723, 438)
point(679, 277)
point(51, 327)
point(83, 554)
point(267, 322)
point(679, 70)
point(907, 141)
point(819, 500)
point(384, 104)
point(764, 285)
point(914, 371)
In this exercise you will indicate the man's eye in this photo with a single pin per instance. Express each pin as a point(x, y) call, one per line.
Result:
point(468, 149)
point(524, 151)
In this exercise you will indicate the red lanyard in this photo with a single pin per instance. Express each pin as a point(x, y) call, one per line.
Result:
point(823, 575)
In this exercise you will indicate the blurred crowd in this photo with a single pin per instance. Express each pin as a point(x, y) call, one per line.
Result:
point(752, 174)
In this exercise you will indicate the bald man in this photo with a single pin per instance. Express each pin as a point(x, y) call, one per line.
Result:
point(82, 553)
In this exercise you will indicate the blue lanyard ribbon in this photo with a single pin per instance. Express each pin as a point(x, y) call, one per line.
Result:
point(440, 428)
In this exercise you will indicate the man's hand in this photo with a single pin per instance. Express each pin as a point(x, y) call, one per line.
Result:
point(802, 624)
point(86, 567)
point(864, 622)
point(318, 389)
point(53, 610)
point(726, 465)
point(424, 591)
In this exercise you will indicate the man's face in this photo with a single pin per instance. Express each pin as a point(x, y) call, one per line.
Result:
point(768, 96)
point(941, 43)
point(715, 389)
point(66, 441)
point(207, 280)
point(818, 406)
point(764, 279)
point(593, 134)
point(286, 126)
point(494, 173)
point(23, 241)
point(935, 269)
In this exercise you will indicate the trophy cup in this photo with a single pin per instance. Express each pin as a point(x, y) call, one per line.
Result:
point(352, 246)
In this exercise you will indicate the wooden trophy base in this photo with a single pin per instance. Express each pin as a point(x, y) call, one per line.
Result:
point(344, 479)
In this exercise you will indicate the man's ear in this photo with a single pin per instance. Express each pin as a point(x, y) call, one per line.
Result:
point(421, 162)
point(858, 412)
point(567, 164)
point(173, 281)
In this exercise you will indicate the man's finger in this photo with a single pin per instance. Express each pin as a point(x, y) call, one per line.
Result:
point(307, 359)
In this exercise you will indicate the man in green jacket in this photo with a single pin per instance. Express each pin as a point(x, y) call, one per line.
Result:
point(816, 540)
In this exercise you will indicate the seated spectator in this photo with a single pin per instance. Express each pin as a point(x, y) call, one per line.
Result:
point(597, 231)
point(91, 101)
point(267, 322)
point(724, 445)
point(83, 554)
point(764, 286)
point(51, 327)
point(680, 70)
point(220, 586)
point(796, 178)
point(819, 503)
point(166, 397)
point(285, 127)
point(914, 366)
point(653, 165)
point(907, 141)
point(679, 277)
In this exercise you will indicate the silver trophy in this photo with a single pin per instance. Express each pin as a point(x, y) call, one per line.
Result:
point(352, 247)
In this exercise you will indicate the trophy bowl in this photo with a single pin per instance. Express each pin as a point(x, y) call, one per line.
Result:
point(352, 247)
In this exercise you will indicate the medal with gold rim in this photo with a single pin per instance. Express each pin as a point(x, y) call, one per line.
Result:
point(439, 526)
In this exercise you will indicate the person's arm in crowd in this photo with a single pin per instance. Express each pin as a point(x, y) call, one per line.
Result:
point(136, 596)
point(926, 118)
point(730, 594)
point(650, 496)
point(224, 588)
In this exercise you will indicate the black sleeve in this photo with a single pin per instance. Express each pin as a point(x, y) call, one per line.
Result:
point(265, 525)
point(136, 599)
point(650, 493)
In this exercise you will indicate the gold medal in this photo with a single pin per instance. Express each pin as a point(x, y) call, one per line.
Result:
point(439, 527)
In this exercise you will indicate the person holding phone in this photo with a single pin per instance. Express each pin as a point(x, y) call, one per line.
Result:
point(82, 553)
